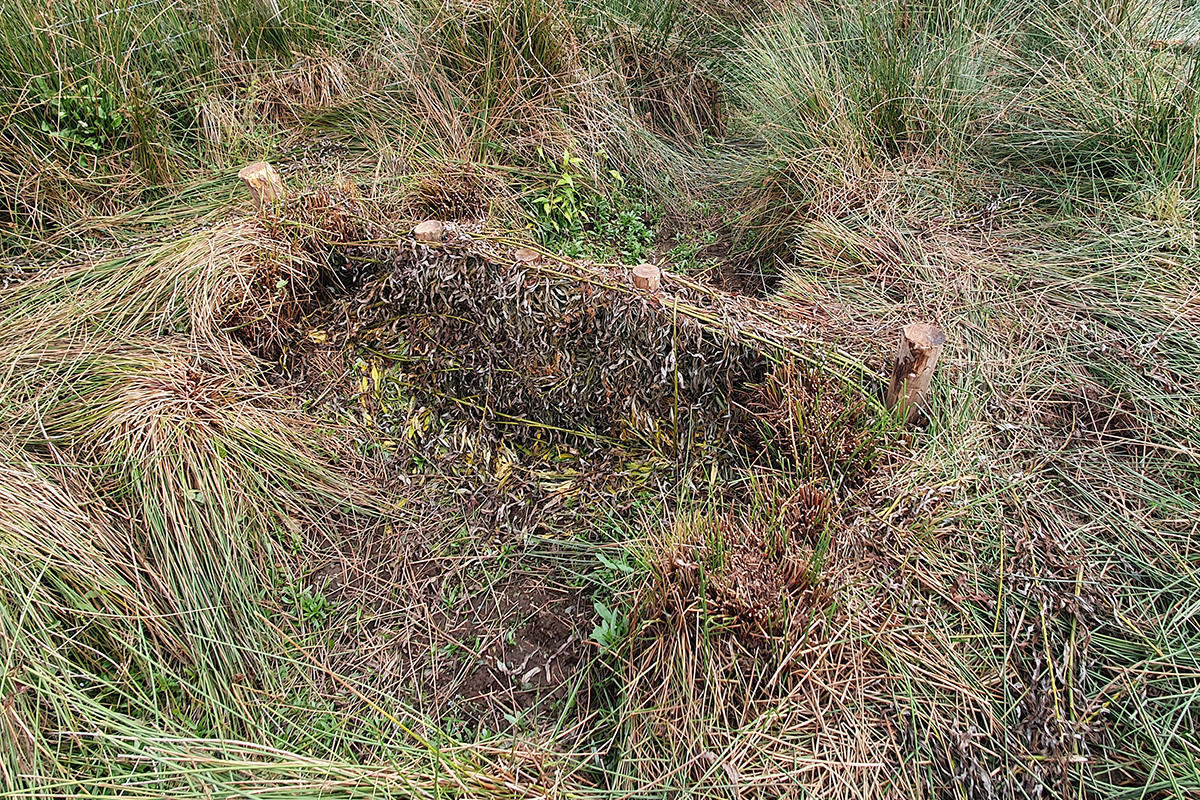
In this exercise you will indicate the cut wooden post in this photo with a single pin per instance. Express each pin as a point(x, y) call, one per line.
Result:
point(920, 346)
point(646, 276)
point(524, 255)
point(264, 183)
point(430, 231)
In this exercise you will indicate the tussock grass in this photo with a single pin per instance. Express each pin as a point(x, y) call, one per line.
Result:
point(1047, 226)
point(112, 106)
point(184, 287)
point(151, 479)
point(1074, 434)
point(838, 93)
point(752, 669)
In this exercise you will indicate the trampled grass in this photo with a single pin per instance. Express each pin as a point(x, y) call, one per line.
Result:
point(248, 550)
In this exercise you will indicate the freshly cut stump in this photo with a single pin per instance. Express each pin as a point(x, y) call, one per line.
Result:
point(264, 183)
point(430, 231)
point(920, 346)
point(647, 277)
point(524, 255)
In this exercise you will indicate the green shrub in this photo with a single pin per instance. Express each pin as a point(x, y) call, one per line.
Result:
point(580, 219)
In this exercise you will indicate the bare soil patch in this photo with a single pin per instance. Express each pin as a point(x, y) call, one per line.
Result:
point(714, 260)
point(486, 640)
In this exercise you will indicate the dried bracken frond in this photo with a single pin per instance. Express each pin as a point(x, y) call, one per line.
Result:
point(743, 652)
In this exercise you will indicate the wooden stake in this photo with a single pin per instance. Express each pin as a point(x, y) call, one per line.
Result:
point(920, 346)
point(264, 183)
point(524, 255)
point(430, 231)
point(646, 276)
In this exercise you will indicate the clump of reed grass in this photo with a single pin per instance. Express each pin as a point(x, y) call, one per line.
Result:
point(837, 94)
point(1087, 95)
point(154, 477)
point(749, 667)
point(115, 107)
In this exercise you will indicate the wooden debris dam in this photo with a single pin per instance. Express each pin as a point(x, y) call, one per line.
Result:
point(549, 344)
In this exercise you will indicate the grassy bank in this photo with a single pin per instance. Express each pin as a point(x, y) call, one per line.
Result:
point(257, 537)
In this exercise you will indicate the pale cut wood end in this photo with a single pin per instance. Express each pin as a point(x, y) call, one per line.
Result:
point(264, 183)
point(430, 231)
point(647, 277)
point(920, 347)
point(525, 255)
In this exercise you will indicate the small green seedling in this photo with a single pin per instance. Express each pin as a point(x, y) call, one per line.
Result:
point(611, 628)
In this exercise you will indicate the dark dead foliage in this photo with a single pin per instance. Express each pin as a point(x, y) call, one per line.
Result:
point(453, 192)
point(576, 350)
point(749, 572)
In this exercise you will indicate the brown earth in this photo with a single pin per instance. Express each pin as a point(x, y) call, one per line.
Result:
point(479, 640)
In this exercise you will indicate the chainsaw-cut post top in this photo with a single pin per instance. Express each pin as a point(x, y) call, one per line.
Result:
point(525, 255)
point(920, 346)
point(429, 231)
point(264, 183)
point(647, 277)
